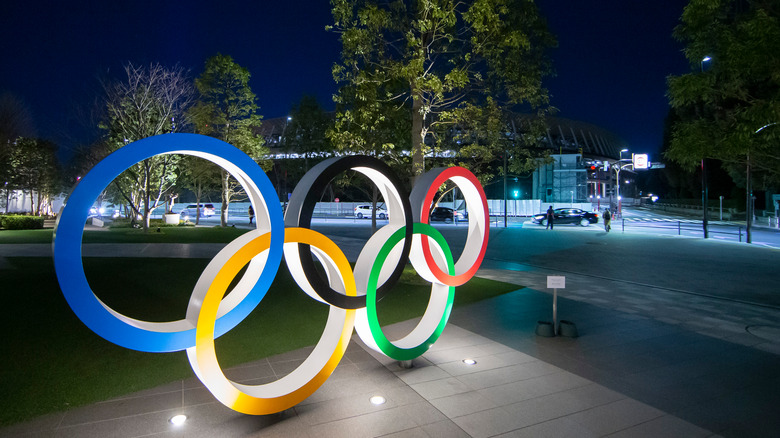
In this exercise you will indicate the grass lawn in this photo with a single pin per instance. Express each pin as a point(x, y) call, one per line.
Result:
point(53, 362)
point(132, 235)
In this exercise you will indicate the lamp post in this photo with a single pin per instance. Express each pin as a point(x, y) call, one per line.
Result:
point(704, 189)
point(749, 191)
point(505, 189)
point(620, 198)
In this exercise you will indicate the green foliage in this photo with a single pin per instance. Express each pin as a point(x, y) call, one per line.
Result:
point(200, 176)
point(306, 129)
point(17, 222)
point(486, 133)
point(227, 110)
point(227, 107)
point(723, 102)
point(32, 167)
point(15, 122)
point(420, 67)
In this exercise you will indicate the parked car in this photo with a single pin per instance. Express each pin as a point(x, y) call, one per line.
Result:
point(362, 211)
point(568, 216)
point(447, 215)
point(206, 210)
point(109, 211)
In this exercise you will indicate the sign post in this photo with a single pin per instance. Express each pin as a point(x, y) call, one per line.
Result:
point(555, 282)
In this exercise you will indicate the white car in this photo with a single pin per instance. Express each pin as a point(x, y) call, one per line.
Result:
point(206, 210)
point(362, 211)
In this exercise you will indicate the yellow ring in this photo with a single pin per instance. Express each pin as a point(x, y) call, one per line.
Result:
point(315, 370)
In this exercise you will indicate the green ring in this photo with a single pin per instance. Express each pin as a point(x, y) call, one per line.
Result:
point(387, 347)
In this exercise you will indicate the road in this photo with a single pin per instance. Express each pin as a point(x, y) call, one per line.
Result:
point(724, 269)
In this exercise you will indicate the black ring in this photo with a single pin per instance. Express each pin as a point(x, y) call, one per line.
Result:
point(301, 208)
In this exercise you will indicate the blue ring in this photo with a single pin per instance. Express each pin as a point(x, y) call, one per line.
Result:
point(70, 228)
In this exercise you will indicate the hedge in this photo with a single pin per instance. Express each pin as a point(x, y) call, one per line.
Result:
point(21, 222)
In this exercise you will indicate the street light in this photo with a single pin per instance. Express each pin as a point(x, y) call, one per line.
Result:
point(704, 189)
point(703, 60)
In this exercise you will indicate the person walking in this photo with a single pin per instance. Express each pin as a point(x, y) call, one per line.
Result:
point(607, 220)
point(550, 218)
point(251, 214)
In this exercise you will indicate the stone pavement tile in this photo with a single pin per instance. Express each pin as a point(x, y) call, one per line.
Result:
point(212, 420)
point(440, 388)
point(363, 382)
point(665, 426)
point(337, 409)
point(463, 404)
point(440, 356)
point(556, 428)
point(246, 373)
point(416, 432)
point(422, 374)
point(488, 423)
point(483, 363)
point(422, 413)
point(561, 403)
point(125, 407)
point(375, 424)
point(613, 417)
point(532, 388)
point(444, 429)
point(509, 374)
point(357, 355)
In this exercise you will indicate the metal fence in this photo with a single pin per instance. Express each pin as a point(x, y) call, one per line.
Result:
point(688, 226)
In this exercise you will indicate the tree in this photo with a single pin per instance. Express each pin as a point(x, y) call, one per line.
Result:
point(431, 58)
point(201, 177)
point(373, 127)
point(150, 101)
point(306, 129)
point(726, 100)
point(227, 110)
point(35, 170)
point(15, 121)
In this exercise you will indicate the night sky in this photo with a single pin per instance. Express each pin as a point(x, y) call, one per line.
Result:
point(612, 60)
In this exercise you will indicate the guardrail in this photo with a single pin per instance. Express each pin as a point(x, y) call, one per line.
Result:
point(680, 226)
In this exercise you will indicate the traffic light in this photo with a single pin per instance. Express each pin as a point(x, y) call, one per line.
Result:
point(515, 194)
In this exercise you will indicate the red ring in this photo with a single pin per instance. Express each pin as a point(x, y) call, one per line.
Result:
point(457, 279)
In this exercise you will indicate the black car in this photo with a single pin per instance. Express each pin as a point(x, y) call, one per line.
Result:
point(568, 216)
point(447, 215)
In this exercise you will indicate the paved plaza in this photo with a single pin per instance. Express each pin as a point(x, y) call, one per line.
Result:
point(667, 347)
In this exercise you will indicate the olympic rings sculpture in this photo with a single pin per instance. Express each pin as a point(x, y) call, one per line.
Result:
point(351, 295)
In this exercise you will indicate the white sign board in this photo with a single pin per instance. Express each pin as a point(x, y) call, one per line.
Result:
point(640, 161)
point(556, 282)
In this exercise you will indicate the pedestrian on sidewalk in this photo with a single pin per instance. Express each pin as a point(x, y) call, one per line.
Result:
point(550, 218)
point(251, 214)
point(607, 220)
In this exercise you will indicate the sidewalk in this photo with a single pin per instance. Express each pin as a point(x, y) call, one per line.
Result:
point(649, 361)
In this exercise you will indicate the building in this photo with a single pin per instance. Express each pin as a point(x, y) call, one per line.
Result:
point(584, 167)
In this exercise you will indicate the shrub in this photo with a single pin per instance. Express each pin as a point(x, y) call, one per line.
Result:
point(16, 222)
